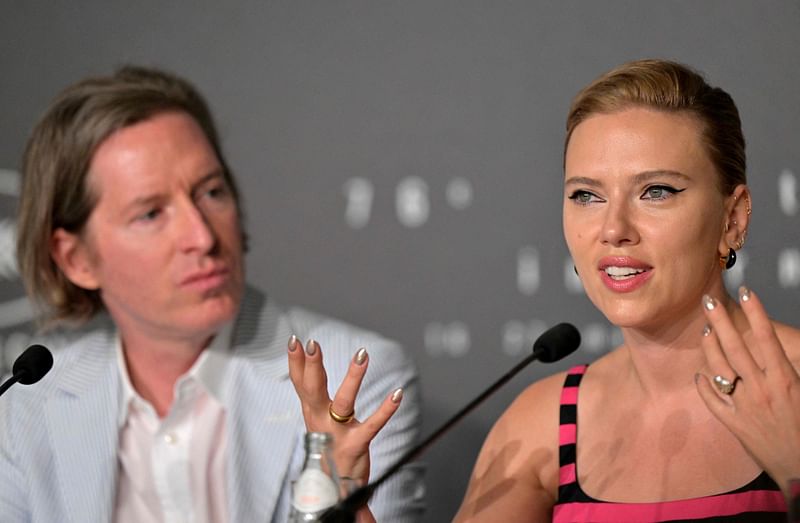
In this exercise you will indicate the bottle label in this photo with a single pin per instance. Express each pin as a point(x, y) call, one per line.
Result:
point(314, 491)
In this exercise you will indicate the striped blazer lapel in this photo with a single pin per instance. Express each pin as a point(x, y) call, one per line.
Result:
point(82, 424)
point(264, 421)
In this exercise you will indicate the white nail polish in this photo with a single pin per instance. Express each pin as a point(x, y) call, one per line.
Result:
point(744, 294)
point(709, 303)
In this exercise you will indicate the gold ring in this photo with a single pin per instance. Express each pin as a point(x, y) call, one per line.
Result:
point(338, 418)
point(725, 386)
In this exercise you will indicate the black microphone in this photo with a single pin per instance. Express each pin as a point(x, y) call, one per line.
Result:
point(29, 367)
point(554, 344)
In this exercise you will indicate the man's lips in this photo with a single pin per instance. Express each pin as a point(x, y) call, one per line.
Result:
point(207, 277)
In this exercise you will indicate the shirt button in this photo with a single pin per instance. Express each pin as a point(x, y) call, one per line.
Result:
point(171, 438)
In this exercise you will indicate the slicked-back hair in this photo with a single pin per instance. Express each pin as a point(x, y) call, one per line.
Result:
point(672, 87)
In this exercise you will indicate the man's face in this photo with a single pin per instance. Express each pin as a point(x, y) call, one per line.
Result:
point(163, 244)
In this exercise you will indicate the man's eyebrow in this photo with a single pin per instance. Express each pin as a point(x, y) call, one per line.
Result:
point(140, 202)
point(218, 172)
point(156, 197)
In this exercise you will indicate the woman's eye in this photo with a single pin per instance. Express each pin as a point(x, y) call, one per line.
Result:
point(660, 192)
point(582, 197)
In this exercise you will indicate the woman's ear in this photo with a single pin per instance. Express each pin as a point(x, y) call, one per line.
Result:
point(70, 252)
point(739, 207)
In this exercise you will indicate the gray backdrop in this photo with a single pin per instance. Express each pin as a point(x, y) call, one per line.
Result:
point(401, 161)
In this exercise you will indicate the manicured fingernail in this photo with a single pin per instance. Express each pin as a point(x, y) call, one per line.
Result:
point(744, 293)
point(311, 347)
point(708, 302)
point(361, 356)
point(292, 343)
point(706, 330)
point(397, 395)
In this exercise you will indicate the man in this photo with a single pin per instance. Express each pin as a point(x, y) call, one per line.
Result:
point(175, 403)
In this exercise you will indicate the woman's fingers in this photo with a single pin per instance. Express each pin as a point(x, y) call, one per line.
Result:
point(315, 380)
point(351, 436)
point(297, 363)
point(764, 333)
point(710, 395)
point(717, 362)
point(345, 399)
point(733, 347)
point(380, 417)
point(307, 374)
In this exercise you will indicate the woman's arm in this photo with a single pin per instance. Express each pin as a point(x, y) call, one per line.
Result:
point(515, 478)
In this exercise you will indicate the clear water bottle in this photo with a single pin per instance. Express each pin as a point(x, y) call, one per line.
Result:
point(317, 487)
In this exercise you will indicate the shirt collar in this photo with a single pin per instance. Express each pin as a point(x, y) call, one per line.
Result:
point(208, 371)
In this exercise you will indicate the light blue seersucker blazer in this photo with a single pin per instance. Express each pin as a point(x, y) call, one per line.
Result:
point(59, 437)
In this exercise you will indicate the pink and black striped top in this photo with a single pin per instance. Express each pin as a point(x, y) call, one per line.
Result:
point(759, 501)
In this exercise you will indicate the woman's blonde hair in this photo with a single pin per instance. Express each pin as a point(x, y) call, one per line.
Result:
point(669, 86)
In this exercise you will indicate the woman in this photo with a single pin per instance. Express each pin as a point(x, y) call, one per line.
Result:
point(697, 414)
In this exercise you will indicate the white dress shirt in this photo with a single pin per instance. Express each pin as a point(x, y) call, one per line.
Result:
point(172, 470)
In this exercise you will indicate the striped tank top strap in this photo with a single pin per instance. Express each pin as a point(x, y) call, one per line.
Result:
point(568, 433)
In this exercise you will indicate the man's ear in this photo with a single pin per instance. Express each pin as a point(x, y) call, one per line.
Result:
point(739, 208)
point(70, 252)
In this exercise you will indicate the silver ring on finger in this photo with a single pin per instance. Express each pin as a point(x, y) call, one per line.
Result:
point(724, 385)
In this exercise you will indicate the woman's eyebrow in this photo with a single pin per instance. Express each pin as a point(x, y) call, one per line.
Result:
point(637, 179)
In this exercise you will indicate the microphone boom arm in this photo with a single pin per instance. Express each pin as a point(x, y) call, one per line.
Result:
point(554, 344)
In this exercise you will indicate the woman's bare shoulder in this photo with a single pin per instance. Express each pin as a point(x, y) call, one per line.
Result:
point(541, 397)
point(538, 398)
point(516, 475)
point(786, 332)
point(517, 470)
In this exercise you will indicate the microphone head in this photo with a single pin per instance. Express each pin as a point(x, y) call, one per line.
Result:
point(557, 342)
point(32, 364)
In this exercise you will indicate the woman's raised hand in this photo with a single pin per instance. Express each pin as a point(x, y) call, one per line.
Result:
point(757, 398)
point(337, 416)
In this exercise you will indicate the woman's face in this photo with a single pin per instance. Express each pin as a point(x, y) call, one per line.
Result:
point(643, 215)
